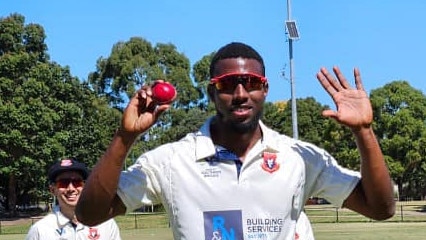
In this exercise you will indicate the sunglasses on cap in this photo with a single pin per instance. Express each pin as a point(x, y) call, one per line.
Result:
point(229, 81)
point(65, 182)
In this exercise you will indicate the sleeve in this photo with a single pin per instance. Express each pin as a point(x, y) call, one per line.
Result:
point(303, 228)
point(141, 184)
point(327, 179)
point(33, 233)
point(115, 231)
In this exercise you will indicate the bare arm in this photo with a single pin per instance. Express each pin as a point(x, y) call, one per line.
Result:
point(99, 200)
point(373, 196)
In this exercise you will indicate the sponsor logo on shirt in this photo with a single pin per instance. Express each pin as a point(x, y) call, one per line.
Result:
point(212, 172)
point(259, 228)
point(223, 225)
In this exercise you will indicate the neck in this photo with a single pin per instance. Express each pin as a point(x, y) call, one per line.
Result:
point(237, 142)
point(69, 213)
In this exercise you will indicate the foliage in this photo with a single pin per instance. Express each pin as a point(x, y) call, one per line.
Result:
point(45, 114)
point(136, 62)
point(400, 113)
point(314, 128)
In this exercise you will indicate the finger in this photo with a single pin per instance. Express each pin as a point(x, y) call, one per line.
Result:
point(158, 81)
point(141, 96)
point(325, 84)
point(329, 113)
point(161, 108)
point(152, 106)
point(331, 79)
point(145, 102)
point(342, 79)
point(358, 81)
point(327, 81)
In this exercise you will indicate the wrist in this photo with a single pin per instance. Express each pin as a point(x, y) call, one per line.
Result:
point(362, 128)
point(126, 136)
point(363, 131)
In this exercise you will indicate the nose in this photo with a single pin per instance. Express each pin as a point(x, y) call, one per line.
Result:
point(71, 186)
point(240, 91)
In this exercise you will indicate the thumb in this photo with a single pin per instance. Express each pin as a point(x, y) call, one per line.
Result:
point(160, 109)
point(329, 113)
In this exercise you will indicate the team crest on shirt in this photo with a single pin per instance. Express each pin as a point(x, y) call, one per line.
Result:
point(93, 234)
point(270, 162)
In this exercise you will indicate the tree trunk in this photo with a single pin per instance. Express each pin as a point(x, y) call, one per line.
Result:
point(11, 200)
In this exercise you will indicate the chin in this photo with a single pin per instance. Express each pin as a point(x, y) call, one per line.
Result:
point(69, 202)
point(246, 126)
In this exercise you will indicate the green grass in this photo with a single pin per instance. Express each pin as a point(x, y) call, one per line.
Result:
point(322, 231)
point(23, 228)
point(368, 231)
point(405, 212)
point(143, 221)
point(328, 223)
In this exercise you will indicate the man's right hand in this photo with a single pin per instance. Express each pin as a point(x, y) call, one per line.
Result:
point(141, 112)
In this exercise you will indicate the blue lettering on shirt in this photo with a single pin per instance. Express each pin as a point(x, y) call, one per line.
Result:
point(223, 225)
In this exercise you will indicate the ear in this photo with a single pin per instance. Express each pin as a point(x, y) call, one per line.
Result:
point(52, 189)
point(266, 88)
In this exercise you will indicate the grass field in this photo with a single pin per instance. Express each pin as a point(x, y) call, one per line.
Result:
point(322, 231)
point(328, 223)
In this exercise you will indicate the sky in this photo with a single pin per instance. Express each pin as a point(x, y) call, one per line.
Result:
point(384, 39)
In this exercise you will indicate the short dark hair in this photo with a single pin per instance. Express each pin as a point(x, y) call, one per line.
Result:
point(235, 50)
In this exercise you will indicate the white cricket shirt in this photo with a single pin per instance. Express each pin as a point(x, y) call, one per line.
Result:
point(303, 228)
point(55, 226)
point(206, 199)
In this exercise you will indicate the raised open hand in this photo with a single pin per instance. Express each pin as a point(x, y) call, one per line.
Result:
point(353, 105)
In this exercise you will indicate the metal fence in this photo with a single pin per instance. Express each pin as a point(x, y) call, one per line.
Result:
point(321, 213)
point(404, 212)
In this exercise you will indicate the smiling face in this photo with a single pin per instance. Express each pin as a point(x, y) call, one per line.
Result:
point(240, 105)
point(67, 188)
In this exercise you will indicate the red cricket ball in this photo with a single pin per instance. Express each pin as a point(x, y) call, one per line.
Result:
point(163, 92)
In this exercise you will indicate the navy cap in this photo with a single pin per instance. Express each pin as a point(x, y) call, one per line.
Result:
point(65, 165)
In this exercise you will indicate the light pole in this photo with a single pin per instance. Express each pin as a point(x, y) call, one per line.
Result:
point(292, 35)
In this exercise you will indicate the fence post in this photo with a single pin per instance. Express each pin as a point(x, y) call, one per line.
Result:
point(337, 214)
point(136, 222)
point(402, 214)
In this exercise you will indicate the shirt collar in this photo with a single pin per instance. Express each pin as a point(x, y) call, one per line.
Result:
point(62, 219)
point(204, 146)
point(270, 138)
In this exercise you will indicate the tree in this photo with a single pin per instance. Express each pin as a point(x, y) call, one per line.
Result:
point(201, 75)
point(136, 62)
point(314, 128)
point(310, 122)
point(45, 113)
point(400, 113)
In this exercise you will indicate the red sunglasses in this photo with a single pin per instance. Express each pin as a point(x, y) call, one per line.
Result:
point(229, 81)
point(65, 182)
